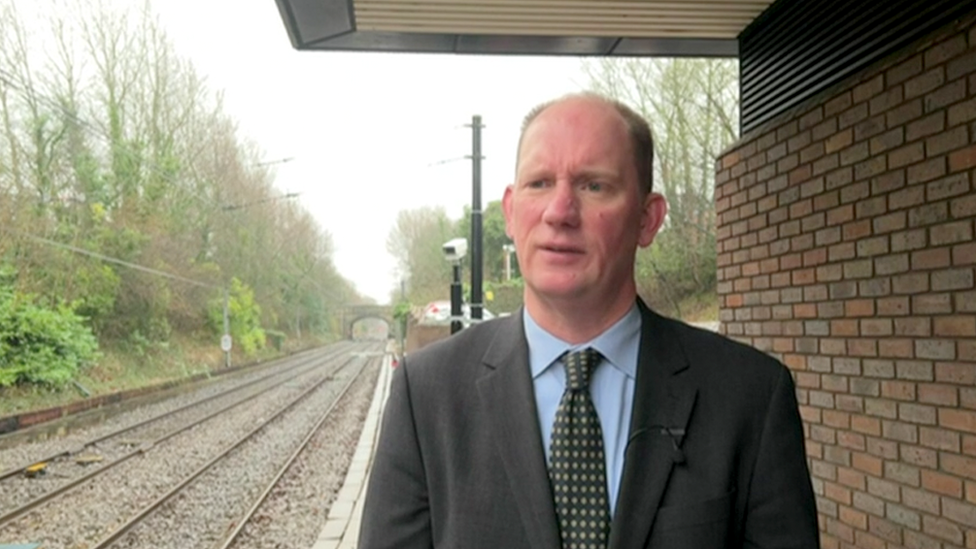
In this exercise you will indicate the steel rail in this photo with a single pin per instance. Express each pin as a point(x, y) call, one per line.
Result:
point(16, 470)
point(61, 490)
point(148, 510)
point(242, 521)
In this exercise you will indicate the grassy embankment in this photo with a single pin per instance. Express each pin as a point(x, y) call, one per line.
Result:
point(124, 369)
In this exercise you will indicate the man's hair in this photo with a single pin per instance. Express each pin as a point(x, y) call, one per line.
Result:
point(637, 128)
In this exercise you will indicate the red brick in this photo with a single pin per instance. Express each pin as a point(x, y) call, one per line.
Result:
point(868, 89)
point(961, 113)
point(958, 420)
point(939, 439)
point(844, 328)
point(931, 304)
point(837, 104)
point(900, 390)
point(883, 489)
point(945, 50)
point(892, 96)
point(837, 493)
point(928, 214)
point(933, 258)
point(857, 229)
point(874, 327)
point(888, 223)
point(915, 326)
point(944, 142)
point(913, 283)
point(903, 113)
point(953, 279)
point(903, 156)
point(862, 347)
point(947, 187)
point(893, 306)
point(931, 124)
point(904, 70)
point(895, 348)
point(955, 326)
point(925, 82)
point(938, 527)
point(804, 310)
point(958, 465)
point(861, 268)
point(839, 140)
point(908, 240)
point(868, 426)
point(853, 517)
point(941, 483)
point(949, 233)
point(943, 395)
point(927, 171)
point(946, 95)
point(964, 254)
point(935, 349)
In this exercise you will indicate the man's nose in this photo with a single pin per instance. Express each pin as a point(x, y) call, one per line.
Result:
point(563, 206)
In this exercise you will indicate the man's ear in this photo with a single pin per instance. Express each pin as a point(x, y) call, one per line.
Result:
point(655, 210)
point(507, 211)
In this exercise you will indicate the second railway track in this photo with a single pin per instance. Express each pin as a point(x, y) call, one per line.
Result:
point(151, 486)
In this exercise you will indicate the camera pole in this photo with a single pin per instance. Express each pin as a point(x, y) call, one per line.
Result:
point(456, 299)
point(477, 262)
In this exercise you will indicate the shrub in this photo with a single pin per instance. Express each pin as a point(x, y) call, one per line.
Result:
point(40, 345)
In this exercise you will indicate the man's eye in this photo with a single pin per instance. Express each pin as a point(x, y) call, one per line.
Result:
point(537, 184)
point(593, 186)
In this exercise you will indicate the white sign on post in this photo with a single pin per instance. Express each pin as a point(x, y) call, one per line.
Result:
point(226, 343)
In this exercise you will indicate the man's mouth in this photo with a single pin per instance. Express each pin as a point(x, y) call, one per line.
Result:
point(556, 248)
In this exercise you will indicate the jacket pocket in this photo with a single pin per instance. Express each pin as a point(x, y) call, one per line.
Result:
point(700, 525)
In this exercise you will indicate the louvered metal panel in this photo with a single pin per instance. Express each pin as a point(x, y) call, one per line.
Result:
point(637, 18)
point(798, 48)
point(534, 27)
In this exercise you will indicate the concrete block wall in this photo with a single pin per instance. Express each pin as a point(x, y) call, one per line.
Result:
point(846, 249)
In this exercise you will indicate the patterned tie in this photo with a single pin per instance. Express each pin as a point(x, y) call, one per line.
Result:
point(577, 468)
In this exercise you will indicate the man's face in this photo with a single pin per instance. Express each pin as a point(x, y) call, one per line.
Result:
point(576, 212)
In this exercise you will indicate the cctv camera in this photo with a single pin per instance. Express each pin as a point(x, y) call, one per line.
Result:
point(455, 250)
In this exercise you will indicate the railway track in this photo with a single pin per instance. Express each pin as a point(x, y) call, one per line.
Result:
point(29, 484)
point(220, 441)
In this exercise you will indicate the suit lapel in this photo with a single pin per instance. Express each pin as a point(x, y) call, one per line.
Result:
point(663, 399)
point(507, 397)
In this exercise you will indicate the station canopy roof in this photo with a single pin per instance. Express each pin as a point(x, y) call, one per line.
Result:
point(666, 28)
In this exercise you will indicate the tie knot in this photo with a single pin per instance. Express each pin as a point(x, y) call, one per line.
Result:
point(579, 366)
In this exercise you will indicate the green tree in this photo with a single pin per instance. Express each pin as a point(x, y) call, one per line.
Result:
point(245, 317)
point(494, 240)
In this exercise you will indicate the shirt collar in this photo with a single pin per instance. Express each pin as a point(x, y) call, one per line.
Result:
point(619, 344)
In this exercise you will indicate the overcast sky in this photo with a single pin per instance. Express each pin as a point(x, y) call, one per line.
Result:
point(369, 134)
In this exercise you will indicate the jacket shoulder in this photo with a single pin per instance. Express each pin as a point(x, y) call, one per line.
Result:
point(456, 351)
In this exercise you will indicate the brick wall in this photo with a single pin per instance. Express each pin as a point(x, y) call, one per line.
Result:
point(846, 249)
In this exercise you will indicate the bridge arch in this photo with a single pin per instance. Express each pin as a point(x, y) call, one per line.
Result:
point(351, 314)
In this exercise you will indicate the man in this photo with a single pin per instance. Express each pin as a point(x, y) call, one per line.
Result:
point(700, 442)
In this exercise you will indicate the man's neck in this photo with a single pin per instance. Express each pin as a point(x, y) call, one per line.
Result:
point(574, 320)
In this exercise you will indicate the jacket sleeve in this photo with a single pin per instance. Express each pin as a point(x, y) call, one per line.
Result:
point(781, 510)
point(396, 512)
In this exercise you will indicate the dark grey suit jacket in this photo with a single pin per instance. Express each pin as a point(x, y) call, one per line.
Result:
point(715, 457)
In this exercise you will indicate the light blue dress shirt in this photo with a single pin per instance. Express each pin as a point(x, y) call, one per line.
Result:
point(611, 386)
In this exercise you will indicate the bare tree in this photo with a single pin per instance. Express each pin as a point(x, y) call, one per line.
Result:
point(692, 105)
point(415, 241)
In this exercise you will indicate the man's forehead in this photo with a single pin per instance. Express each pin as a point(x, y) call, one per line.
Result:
point(577, 110)
point(588, 131)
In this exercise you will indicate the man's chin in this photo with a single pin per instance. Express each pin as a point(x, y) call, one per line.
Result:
point(558, 289)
